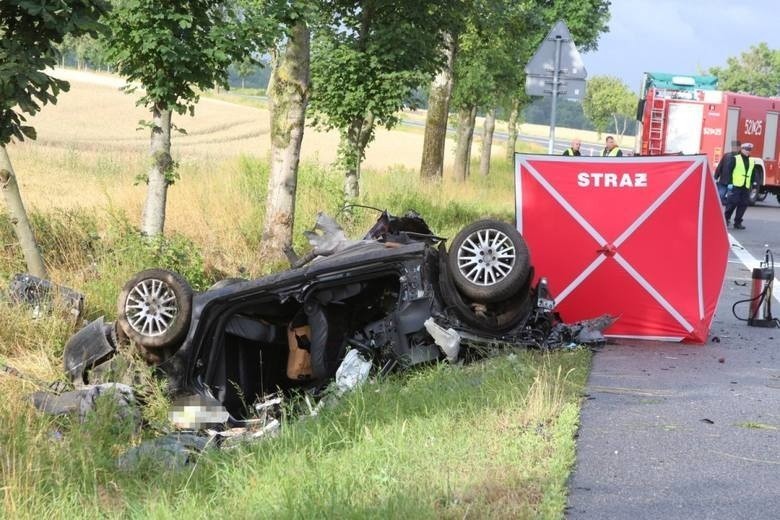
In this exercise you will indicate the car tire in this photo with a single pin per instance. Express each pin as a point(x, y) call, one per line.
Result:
point(489, 261)
point(118, 336)
point(154, 308)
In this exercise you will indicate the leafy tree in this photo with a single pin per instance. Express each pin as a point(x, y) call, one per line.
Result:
point(29, 35)
point(519, 101)
point(489, 69)
point(437, 114)
point(81, 49)
point(521, 20)
point(472, 81)
point(609, 100)
point(569, 114)
point(527, 24)
point(367, 60)
point(257, 77)
point(65, 48)
point(85, 50)
point(245, 68)
point(95, 53)
point(586, 20)
point(756, 71)
point(440, 93)
point(171, 53)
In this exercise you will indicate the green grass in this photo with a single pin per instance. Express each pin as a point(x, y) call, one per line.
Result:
point(751, 425)
point(490, 440)
point(247, 97)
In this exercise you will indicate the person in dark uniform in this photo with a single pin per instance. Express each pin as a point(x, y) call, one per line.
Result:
point(574, 149)
point(611, 149)
point(740, 169)
point(722, 179)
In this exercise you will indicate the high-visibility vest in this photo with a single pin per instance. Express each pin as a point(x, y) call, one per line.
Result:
point(569, 151)
point(739, 177)
point(611, 153)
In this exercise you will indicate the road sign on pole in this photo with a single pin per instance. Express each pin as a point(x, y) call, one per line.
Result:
point(556, 69)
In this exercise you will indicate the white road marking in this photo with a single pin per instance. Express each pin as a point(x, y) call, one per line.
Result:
point(750, 262)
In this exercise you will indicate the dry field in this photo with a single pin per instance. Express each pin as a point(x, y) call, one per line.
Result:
point(96, 124)
point(95, 115)
point(89, 152)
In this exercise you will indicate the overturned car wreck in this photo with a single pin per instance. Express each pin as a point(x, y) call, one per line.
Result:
point(398, 298)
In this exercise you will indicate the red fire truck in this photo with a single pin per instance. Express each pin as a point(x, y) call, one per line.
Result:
point(689, 115)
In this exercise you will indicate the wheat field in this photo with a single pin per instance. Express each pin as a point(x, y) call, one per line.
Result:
point(90, 151)
point(96, 116)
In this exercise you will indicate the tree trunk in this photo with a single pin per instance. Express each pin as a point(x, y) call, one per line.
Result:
point(472, 126)
point(347, 152)
point(243, 82)
point(288, 95)
point(436, 120)
point(511, 140)
point(18, 215)
point(360, 130)
point(464, 135)
point(487, 142)
point(159, 174)
point(352, 148)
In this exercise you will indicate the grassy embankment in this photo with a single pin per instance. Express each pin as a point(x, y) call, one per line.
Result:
point(494, 439)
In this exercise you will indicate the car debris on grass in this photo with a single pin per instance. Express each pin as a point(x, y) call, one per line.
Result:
point(397, 298)
point(42, 296)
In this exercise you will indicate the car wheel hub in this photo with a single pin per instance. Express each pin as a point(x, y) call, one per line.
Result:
point(486, 257)
point(151, 307)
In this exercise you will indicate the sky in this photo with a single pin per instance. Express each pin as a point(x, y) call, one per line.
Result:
point(680, 36)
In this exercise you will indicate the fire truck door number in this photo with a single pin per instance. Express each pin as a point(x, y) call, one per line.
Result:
point(754, 126)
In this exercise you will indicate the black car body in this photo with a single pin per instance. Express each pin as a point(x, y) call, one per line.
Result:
point(392, 296)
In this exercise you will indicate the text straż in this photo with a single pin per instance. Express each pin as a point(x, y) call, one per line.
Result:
point(611, 180)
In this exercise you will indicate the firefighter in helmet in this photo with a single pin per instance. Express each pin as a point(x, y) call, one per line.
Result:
point(574, 149)
point(740, 170)
point(611, 149)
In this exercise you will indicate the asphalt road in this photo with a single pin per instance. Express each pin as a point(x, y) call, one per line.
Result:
point(560, 145)
point(682, 431)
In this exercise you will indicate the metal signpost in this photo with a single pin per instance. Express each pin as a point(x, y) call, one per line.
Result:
point(556, 69)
